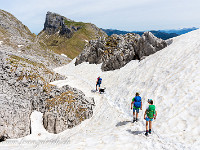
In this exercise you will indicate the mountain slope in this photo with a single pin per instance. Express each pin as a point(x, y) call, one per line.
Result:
point(13, 31)
point(25, 73)
point(17, 39)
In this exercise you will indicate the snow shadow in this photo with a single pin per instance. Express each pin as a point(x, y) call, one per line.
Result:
point(122, 123)
point(135, 132)
point(93, 91)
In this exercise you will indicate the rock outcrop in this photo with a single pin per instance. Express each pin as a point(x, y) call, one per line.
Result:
point(67, 110)
point(117, 50)
point(66, 36)
point(24, 87)
point(55, 23)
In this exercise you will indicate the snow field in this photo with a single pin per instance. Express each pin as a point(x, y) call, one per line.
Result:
point(170, 77)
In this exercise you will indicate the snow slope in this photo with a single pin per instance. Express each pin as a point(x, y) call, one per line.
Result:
point(170, 77)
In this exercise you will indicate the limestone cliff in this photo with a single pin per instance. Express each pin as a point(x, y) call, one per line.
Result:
point(65, 36)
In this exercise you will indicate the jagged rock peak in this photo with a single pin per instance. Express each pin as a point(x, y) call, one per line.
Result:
point(56, 23)
point(116, 51)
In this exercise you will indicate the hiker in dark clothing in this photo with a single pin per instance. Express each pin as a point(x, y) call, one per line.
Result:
point(98, 83)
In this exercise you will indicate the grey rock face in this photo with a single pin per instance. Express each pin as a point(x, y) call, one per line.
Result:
point(55, 23)
point(25, 87)
point(15, 108)
point(149, 44)
point(117, 50)
point(67, 110)
point(93, 52)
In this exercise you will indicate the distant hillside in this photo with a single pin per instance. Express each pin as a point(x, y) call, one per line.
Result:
point(179, 31)
point(163, 34)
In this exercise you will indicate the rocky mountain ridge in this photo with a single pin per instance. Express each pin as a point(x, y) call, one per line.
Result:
point(116, 51)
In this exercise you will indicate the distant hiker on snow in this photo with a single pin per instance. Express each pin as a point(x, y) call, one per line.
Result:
point(149, 115)
point(137, 105)
point(98, 83)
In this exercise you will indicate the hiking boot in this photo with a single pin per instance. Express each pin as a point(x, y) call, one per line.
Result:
point(149, 131)
point(136, 120)
point(146, 133)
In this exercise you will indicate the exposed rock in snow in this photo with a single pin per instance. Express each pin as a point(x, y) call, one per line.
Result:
point(116, 51)
point(67, 110)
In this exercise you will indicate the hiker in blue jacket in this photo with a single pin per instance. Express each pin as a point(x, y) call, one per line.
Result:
point(98, 83)
point(137, 105)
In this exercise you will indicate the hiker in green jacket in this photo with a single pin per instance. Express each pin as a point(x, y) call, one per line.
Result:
point(149, 115)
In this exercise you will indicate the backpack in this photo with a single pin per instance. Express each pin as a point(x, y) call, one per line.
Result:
point(137, 101)
point(151, 111)
point(99, 81)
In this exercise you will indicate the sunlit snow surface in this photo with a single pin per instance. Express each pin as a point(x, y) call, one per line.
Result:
point(171, 77)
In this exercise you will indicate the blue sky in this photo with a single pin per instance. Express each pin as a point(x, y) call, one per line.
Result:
point(126, 15)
